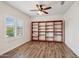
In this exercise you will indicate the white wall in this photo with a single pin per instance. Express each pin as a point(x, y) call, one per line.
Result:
point(72, 27)
point(7, 44)
point(47, 18)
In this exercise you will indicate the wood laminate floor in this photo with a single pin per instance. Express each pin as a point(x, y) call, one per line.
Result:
point(41, 50)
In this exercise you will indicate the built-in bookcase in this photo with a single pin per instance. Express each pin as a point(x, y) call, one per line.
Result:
point(48, 31)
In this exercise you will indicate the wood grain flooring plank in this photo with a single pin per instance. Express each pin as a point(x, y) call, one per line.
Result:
point(35, 49)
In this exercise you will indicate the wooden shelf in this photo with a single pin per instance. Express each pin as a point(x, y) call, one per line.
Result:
point(57, 24)
point(48, 28)
point(57, 31)
point(58, 34)
point(57, 28)
point(34, 31)
point(41, 26)
point(49, 37)
point(35, 28)
point(41, 31)
point(41, 34)
point(35, 36)
point(49, 31)
point(49, 25)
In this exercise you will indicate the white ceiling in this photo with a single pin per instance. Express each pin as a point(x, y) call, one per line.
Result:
point(26, 6)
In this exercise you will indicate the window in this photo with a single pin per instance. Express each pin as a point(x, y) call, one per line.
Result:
point(9, 27)
point(19, 28)
point(14, 28)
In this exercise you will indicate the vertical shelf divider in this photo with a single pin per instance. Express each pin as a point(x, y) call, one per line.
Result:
point(38, 31)
point(53, 31)
point(63, 31)
point(31, 31)
point(45, 30)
